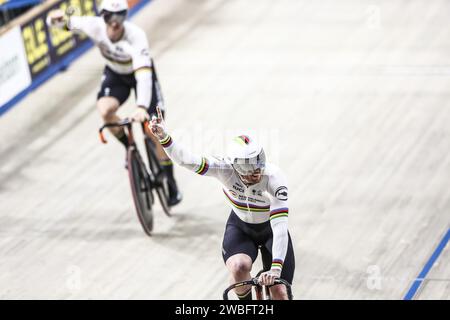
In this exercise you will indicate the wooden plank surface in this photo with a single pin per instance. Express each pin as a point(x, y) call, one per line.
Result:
point(351, 99)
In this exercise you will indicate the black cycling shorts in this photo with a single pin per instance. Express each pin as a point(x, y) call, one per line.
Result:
point(242, 237)
point(119, 86)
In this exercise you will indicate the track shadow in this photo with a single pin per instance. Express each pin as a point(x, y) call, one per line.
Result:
point(121, 226)
point(189, 226)
point(93, 227)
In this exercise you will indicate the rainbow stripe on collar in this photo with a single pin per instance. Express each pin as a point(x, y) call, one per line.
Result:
point(243, 206)
point(278, 213)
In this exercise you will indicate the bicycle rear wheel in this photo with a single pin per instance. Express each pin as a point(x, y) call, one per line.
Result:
point(160, 177)
point(141, 190)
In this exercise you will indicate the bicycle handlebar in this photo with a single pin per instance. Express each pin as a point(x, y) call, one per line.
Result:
point(255, 282)
point(122, 123)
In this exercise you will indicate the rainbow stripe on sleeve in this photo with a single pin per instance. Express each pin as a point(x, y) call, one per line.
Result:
point(278, 213)
point(204, 166)
point(277, 264)
point(166, 142)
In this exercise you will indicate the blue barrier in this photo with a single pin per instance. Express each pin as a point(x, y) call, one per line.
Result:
point(15, 4)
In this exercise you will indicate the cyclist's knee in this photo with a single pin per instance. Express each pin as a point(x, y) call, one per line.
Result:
point(278, 292)
point(107, 106)
point(239, 264)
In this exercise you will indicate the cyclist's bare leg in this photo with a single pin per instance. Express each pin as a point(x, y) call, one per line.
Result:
point(278, 292)
point(108, 106)
point(240, 266)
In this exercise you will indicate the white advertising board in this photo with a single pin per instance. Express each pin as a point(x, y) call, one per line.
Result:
point(14, 71)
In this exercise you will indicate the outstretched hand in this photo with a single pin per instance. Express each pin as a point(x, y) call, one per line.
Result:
point(157, 125)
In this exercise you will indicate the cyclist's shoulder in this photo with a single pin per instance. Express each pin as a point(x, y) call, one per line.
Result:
point(87, 21)
point(273, 171)
point(276, 179)
point(134, 32)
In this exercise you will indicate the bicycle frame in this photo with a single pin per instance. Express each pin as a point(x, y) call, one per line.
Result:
point(127, 123)
point(153, 173)
point(141, 180)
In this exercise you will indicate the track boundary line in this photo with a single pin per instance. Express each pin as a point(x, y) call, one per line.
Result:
point(427, 267)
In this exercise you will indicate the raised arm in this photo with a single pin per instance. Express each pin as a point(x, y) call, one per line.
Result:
point(88, 25)
point(203, 165)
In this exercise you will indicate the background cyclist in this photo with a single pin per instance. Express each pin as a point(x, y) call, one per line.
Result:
point(129, 66)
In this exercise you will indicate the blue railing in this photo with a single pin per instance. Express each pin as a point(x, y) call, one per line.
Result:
point(15, 4)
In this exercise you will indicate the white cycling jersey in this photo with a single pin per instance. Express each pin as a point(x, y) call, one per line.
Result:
point(125, 56)
point(257, 203)
point(129, 55)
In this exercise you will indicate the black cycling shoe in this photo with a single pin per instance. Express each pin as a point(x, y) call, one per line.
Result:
point(174, 198)
point(175, 195)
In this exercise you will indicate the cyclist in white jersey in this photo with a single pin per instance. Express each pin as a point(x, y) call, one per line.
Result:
point(129, 66)
point(257, 193)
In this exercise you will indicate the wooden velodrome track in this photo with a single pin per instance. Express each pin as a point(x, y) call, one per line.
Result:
point(352, 100)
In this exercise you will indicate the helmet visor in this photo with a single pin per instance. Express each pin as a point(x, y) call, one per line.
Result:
point(118, 17)
point(249, 166)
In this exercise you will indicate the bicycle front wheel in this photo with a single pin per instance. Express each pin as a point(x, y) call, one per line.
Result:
point(160, 177)
point(141, 190)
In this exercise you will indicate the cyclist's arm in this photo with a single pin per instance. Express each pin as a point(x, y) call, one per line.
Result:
point(142, 66)
point(87, 24)
point(203, 165)
point(279, 219)
point(90, 25)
